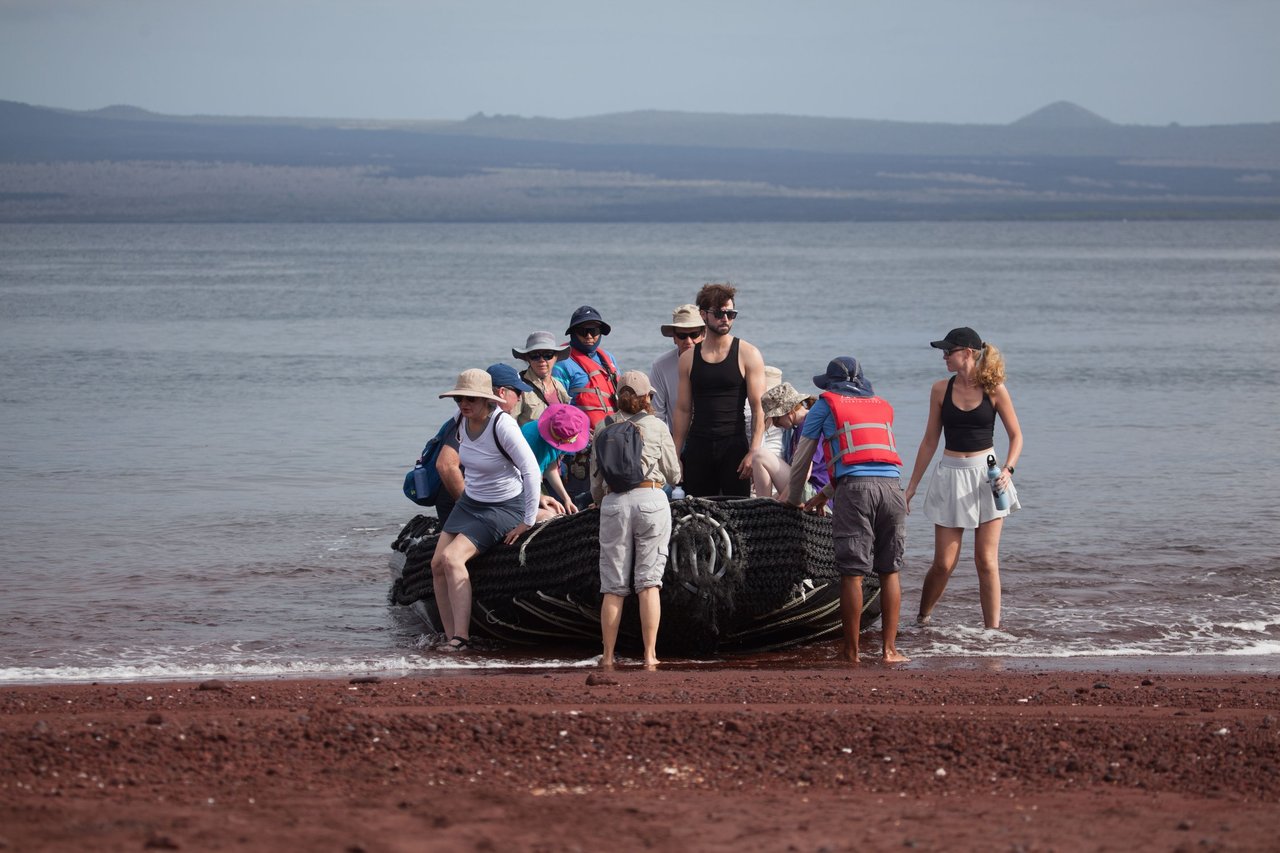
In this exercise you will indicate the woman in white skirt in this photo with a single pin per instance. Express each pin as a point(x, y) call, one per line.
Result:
point(963, 410)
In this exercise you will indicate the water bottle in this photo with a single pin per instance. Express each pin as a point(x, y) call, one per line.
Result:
point(993, 474)
point(677, 493)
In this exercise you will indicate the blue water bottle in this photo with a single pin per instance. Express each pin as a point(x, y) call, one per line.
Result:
point(993, 474)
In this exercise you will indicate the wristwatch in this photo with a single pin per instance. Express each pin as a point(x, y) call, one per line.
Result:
point(1009, 468)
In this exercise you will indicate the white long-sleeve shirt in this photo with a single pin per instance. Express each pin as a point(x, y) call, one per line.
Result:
point(490, 478)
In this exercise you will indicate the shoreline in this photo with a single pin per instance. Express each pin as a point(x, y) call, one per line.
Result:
point(722, 757)
point(803, 658)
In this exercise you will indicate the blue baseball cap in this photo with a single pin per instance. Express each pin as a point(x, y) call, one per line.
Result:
point(505, 376)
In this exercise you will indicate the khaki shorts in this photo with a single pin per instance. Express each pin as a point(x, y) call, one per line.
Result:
point(869, 522)
point(635, 536)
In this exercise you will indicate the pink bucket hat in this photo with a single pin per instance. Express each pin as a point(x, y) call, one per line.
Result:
point(565, 427)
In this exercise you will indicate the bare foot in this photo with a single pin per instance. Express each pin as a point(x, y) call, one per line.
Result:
point(849, 657)
point(894, 656)
point(652, 665)
point(606, 664)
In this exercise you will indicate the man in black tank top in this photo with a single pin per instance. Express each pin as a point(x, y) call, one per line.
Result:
point(717, 377)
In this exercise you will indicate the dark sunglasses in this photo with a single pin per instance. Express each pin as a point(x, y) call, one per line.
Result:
point(541, 356)
point(472, 400)
point(690, 336)
point(952, 352)
point(588, 331)
point(723, 314)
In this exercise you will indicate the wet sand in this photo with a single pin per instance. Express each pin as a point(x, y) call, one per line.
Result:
point(716, 758)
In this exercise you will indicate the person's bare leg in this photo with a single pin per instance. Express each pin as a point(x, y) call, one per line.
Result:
point(986, 556)
point(440, 584)
point(946, 553)
point(850, 616)
point(457, 583)
point(769, 474)
point(890, 604)
point(610, 618)
point(650, 616)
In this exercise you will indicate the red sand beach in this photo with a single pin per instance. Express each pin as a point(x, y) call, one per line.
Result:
point(706, 759)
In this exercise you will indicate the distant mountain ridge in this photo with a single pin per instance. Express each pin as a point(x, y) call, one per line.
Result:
point(123, 163)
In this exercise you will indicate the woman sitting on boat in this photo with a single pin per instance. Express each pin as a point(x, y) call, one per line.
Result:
point(560, 429)
point(499, 501)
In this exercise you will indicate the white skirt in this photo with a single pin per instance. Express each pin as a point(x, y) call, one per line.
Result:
point(959, 494)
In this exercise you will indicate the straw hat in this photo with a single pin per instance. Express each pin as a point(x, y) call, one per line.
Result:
point(685, 319)
point(780, 400)
point(474, 382)
point(565, 427)
point(540, 342)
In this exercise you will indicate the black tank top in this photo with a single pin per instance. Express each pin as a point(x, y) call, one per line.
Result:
point(965, 432)
point(719, 394)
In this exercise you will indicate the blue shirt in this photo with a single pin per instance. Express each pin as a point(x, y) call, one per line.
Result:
point(574, 377)
point(821, 424)
point(543, 452)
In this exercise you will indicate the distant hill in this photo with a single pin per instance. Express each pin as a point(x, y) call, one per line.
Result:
point(122, 163)
point(1062, 114)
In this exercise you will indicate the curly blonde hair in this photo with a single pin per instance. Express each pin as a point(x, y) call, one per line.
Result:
point(990, 372)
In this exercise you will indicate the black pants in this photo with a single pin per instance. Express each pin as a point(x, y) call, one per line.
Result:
point(711, 466)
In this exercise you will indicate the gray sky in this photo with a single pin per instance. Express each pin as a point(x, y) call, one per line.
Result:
point(983, 61)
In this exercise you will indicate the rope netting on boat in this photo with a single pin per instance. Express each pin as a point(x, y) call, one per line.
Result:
point(744, 569)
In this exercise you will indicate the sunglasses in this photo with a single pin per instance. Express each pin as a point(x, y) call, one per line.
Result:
point(723, 314)
point(541, 356)
point(952, 352)
point(588, 331)
point(472, 400)
point(690, 336)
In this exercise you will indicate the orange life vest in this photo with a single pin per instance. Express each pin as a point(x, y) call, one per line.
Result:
point(599, 398)
point(864, 431)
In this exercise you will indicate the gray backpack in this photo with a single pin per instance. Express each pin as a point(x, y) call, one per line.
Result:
point(618, 453)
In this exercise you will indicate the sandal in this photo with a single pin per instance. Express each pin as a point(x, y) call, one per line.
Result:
point(455, 644)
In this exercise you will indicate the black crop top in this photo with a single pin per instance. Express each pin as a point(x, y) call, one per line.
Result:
point(965, 432)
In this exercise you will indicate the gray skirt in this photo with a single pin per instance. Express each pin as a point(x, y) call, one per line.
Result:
point(959, 494)
point(483, 523)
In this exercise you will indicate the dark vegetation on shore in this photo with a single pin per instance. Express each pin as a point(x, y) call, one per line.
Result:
point(128, 165)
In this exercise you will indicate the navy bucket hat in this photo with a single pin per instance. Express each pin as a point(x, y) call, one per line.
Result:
point(587, 314)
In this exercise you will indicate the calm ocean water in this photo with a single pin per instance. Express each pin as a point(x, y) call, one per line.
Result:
point(203, 427)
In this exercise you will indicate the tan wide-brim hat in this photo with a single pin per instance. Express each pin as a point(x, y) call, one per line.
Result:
point(474, 382)
point(772, 376)
point(684, 319)
point(780, 400)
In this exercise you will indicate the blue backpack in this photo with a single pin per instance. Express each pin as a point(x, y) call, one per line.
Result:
point(422, 484)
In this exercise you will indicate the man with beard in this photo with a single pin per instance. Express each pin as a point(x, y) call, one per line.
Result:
point(718, 377)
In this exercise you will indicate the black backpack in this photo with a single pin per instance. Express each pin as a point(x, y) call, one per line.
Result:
point(618, 453)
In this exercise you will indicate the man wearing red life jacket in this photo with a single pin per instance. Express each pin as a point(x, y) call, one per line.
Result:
point(869, 518)
point(591, 376)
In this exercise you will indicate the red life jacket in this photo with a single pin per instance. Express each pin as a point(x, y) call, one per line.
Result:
point(864, 431)
point(600, 396)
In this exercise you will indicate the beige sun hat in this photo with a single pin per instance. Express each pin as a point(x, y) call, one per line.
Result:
point(474, 382)
point(772, 376)
point(780, 400)
point(684, 318)
point(637, 381)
